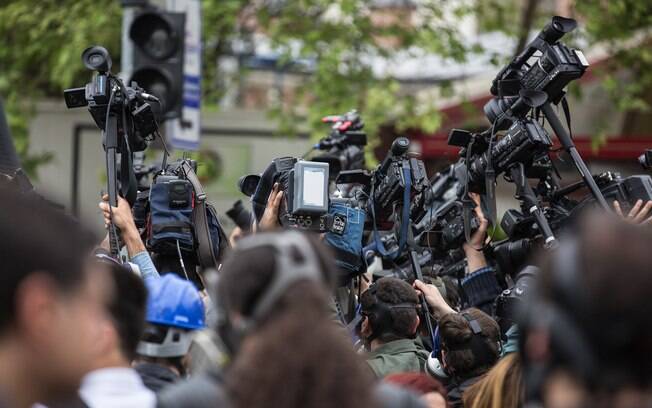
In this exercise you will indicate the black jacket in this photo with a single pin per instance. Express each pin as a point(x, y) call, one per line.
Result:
point(456, 391)
point(155, 376)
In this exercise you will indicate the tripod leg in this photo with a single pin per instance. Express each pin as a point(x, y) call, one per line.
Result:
point(569, 146)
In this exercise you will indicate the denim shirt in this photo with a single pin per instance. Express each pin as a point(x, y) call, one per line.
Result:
point(147, 269)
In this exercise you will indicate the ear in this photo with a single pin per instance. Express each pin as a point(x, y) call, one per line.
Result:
point(365, 328)
point(417, 321)
point(36, 307)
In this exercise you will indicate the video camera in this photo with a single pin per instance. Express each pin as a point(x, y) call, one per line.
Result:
point(305, 187)
point(344, 146)
point(544, 65)
point(107, 95)
point(526, 142)
point(125, 118)
point(399, 181)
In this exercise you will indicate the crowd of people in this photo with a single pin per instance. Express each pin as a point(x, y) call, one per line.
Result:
point(79, 328)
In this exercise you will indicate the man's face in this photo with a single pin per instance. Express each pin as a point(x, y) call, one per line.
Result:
point(66, 330)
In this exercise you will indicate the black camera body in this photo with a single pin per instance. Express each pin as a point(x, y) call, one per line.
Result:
point(544, 65)
point(526, 141)
point(240, 216)
point(389, 184)
point(135, 117)
point(344, 147)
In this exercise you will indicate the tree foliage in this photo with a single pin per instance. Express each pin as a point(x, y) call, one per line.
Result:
point(40, 55)
point(43, 40)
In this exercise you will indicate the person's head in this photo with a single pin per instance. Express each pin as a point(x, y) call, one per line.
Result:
point(389, 308)
point(273, 308)
point(174, 312)
point(470, 342)
point(126, 314)
point(51, 301)
point(432, 392)
point(501, 387)
point(587, 334)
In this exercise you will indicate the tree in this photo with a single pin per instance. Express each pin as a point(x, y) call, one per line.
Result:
point(623, 26)
point(40, 56)
point(46, 37)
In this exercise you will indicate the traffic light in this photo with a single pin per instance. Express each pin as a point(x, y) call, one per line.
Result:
point(158, 47)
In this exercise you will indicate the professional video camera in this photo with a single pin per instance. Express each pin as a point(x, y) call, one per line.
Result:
point(399, 182)
point(125, 118)
point(544, 65)
point(305, 186)
point(344, 146)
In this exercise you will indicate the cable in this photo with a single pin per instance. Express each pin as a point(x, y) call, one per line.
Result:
point(183, 265)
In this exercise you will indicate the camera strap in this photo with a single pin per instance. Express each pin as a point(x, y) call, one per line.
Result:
point(205, 252)
point(128, 183)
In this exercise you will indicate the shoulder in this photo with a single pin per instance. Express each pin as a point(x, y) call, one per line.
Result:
point(198, 392)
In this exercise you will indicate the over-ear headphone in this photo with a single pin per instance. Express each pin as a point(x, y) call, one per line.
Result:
point(380, 313)
point(477, 344)
point(289, 270)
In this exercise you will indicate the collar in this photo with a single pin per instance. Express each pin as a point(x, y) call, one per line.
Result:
point(396, 347)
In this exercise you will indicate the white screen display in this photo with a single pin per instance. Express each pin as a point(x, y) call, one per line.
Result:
point(313, 187)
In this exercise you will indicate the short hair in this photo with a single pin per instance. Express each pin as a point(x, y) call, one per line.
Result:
point(457, 339)
point(392, 291)
point(37, 237)
point(127, 307)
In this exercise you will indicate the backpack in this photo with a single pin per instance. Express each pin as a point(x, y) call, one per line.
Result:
point(181, 219)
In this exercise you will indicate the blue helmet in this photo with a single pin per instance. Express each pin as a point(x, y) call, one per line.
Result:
point(174, 302)
point(174, 312)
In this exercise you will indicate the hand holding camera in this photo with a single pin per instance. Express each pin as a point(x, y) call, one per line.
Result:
point(269, 221)
point(123, 219)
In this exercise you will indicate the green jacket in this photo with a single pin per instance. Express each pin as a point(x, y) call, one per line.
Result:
point(398, 356)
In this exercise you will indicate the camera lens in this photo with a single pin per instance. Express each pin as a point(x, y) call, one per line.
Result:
point(95, 59)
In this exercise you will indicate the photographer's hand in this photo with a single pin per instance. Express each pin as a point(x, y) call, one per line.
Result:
point(473, 249)
point(124, 220)
point(434, 299)
point(638, 213)
point(269, 220)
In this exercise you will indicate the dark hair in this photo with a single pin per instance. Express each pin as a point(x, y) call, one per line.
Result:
point(606, 300)
point(127, 307)
point(392, 291)
point(457, 340)
point(296, 356)
point(421, 383)
point(37, 237)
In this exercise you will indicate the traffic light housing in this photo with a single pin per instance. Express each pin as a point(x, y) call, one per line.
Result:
point(158, 47)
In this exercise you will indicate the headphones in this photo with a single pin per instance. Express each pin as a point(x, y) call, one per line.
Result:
point(380, 314)
point(288, 271)
point(477, 344)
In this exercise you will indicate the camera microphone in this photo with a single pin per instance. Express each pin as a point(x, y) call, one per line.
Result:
point(148, 97)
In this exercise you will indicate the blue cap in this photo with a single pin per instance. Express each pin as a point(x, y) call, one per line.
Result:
point(175, 302)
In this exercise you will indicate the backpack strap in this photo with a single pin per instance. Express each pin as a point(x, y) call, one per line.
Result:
point(205, 251)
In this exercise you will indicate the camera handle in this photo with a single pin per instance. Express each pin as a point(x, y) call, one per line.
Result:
point(530, 204)
point(111, 147)
point(568, 145)
point(416, 267)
